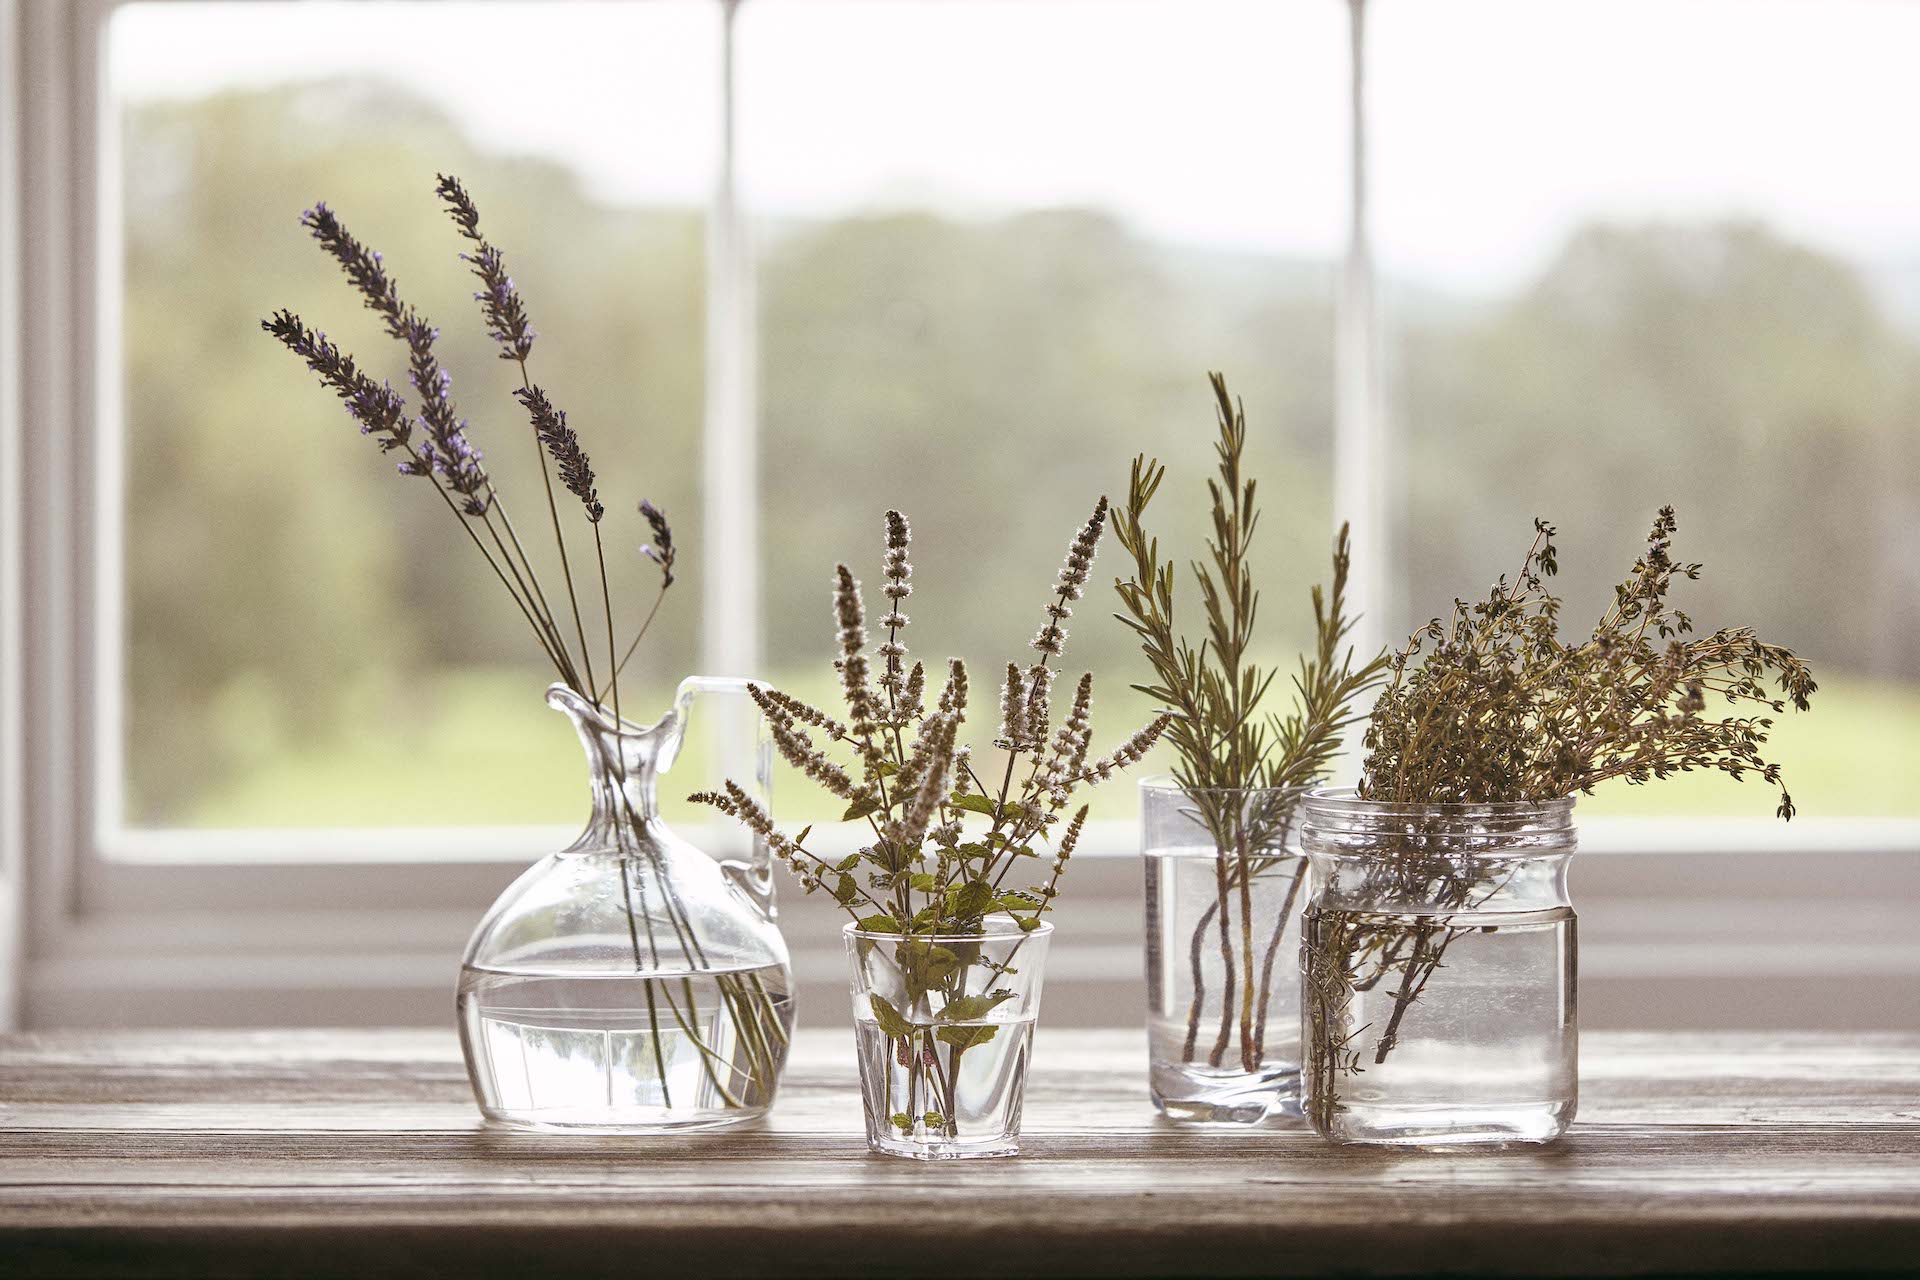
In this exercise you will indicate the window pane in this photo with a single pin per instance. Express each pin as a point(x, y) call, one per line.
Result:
point(1640, 253)
point(1001, 244)
point(308, 639)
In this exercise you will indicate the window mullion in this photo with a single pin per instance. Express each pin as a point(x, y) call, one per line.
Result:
point(731, 643)
point(1359, 435)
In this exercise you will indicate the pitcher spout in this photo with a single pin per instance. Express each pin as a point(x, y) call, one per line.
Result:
point(624, 761)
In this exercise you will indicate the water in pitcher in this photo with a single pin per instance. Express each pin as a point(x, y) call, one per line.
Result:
point(618, 1051)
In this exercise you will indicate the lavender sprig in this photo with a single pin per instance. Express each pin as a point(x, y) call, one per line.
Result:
point(563, 445)
point(498, 298)
point(376, 406)
point(660, 550)
point(446, 449)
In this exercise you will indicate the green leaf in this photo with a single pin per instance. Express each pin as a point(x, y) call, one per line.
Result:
point(1029, 923)
point(970, 899)
point(923, 965)
point(879, 924)
point(972, 849)
point(845, 890)
point(973, 1008)
point(973, 804)
point(902, 1121)
point(861, 808)
point(804, 833)
point(923, 881)
point(965, 1037)
point(849, 862)
point(892, 1025)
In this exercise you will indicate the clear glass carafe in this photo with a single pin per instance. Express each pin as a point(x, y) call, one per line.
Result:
point(631, 982)
point(1224, 886)
point(1438, 963)
point(943, 1024)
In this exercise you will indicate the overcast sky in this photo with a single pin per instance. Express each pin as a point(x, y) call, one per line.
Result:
point(1498, 124)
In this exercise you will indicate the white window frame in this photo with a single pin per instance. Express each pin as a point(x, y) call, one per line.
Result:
point(167, 927)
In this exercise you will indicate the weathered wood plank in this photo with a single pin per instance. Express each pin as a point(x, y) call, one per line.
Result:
point(354, 1153)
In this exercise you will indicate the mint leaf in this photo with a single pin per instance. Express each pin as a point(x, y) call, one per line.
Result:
point(965, 1037)
point(892, 1025)
point(971, 1008)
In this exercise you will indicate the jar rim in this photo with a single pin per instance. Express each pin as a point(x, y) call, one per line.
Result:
point(1167, 784)
point(1344, 802)
point(999, 927)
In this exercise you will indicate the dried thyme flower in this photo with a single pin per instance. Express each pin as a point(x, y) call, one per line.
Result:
point(1500, 708)
point(1492, 706)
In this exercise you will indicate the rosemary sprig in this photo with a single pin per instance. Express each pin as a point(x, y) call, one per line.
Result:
point(1224, 748)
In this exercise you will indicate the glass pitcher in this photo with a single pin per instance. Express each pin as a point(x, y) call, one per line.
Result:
point(631, 983)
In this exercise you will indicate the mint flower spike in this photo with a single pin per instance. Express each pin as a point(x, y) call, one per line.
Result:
point(899, 763)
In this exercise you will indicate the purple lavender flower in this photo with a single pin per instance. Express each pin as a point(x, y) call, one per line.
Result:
point(660, 550)
point(376, 406)
point(364, 267)
point(499, 300)
point(454, 457)
point(449, 451)
point(576, 472)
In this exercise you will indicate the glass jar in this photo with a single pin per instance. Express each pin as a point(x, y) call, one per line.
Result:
point(1224, 885)
point(631, 983)
point(1438, 961)
point(943, 1026)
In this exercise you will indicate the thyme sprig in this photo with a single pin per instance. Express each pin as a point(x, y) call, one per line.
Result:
point(1240, 769)
point(1500, 708)
point(1492, 706)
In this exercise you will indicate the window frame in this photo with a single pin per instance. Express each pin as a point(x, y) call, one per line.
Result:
point(173, 927)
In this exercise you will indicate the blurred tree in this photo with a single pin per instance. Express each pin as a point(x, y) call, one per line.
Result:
point(990, 377)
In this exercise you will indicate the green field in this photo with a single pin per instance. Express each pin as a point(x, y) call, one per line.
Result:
point(481, 747)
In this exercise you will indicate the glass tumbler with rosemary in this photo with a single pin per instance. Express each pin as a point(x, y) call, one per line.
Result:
point(1225, 879)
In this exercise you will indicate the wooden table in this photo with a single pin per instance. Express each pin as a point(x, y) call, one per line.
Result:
point(359, 1153)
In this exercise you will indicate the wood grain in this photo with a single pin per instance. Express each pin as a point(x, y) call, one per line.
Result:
point(360, 1153)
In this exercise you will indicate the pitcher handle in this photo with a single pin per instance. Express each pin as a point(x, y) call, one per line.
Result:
point(737, 746)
